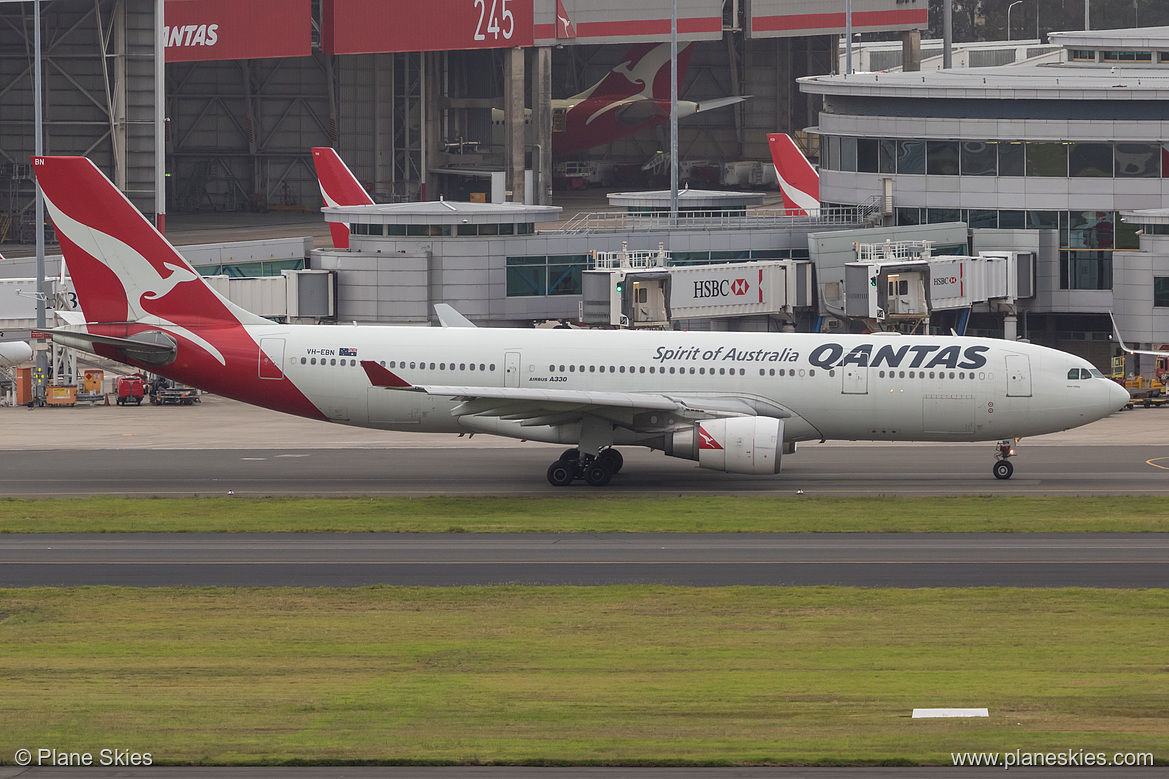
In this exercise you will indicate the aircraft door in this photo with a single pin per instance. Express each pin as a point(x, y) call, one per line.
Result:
point(271, 358)
point(1018, 376)
point(856, 380)
point(511, 369)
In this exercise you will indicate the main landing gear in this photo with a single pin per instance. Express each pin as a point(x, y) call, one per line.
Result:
point(573, 465)
point(1003, 468)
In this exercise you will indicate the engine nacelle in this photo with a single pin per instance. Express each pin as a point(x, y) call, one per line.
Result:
point(13, 353)
point(735, 445)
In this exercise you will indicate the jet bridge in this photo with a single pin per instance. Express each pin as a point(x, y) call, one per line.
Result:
point(904, 283)
point(642, 289)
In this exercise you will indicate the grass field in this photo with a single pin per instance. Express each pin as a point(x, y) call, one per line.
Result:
point(714, 514)
point(625, 675)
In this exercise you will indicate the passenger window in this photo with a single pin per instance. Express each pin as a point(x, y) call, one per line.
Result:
point(333, 362)
point(314, 361)
point(492, 366)
point(592, 369)
point(572, 369)
point(702, 371)
point(462, 366)
point(442, 366)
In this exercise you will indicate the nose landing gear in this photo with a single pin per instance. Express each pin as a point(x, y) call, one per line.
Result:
point(596, 471)
point(1003, 467)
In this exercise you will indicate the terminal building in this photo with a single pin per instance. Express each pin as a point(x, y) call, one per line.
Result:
point(1036, 156)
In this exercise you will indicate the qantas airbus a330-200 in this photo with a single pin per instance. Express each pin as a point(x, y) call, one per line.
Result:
point(734, 402)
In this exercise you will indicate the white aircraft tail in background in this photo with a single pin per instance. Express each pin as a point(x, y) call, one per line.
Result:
point(798, 180)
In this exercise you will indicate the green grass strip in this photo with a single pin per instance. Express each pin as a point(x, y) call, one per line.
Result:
point(708, 514)
point(598, 675)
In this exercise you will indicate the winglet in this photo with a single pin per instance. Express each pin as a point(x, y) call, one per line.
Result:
point(1128, 350)
point(1116, 335)
point(449, 317)
point(380, 376)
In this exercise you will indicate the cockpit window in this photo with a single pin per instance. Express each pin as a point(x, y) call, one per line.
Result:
point(1074, 374)
point(1097, 374)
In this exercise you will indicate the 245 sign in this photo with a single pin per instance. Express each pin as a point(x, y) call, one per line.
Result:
point(384, 26)
point(503, 24)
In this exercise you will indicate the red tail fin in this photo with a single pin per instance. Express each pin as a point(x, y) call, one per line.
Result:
point(798, 180)
point(339, 187)
point(123, 270)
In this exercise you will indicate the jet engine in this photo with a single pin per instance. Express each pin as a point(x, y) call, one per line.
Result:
point(13, 353)
point(735, 445)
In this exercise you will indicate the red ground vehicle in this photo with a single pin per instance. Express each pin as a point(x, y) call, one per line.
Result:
point(131, 389)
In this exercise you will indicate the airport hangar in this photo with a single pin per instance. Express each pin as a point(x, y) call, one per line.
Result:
point(246, 89)
point(1065, 155)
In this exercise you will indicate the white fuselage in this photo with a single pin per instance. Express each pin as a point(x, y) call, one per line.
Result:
point(871, 387)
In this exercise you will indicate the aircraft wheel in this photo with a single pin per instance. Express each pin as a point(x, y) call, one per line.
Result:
point(597, 474)
point(571, 456)
point(613, 459)
point(1003, 469)
point(561, 474)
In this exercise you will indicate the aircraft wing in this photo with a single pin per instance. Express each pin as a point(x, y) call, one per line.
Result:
point(1125, 349)
point(530, 406)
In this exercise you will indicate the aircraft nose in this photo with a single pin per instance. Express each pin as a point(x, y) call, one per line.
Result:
point(1117, 396)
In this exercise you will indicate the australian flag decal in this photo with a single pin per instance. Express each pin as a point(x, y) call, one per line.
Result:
point(346, 352)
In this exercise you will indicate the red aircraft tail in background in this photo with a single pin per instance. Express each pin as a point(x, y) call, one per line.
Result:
point(798, 180)
point(339, 187)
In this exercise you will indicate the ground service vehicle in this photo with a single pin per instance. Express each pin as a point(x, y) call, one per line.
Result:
point(131, 389)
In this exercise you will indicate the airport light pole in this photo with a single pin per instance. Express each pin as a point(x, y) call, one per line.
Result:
point(1010, 8)
point(39, 149)
point(674, 113)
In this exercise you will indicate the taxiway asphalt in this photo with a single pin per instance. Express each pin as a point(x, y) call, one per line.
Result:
point(220, 446)
point(700, 560)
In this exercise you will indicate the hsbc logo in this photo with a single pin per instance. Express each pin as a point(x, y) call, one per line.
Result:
point(721, 289)
point(945, 280)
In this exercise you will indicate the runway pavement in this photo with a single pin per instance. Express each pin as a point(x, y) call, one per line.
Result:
point(701, 560)
point(221, 445)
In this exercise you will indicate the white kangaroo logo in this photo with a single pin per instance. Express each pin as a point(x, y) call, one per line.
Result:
point(139, 278)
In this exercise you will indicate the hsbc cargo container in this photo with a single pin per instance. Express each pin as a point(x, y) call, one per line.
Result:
point(739, 289)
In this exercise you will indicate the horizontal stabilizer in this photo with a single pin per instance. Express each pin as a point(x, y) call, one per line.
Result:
point(152, 347)
point(722, 102)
